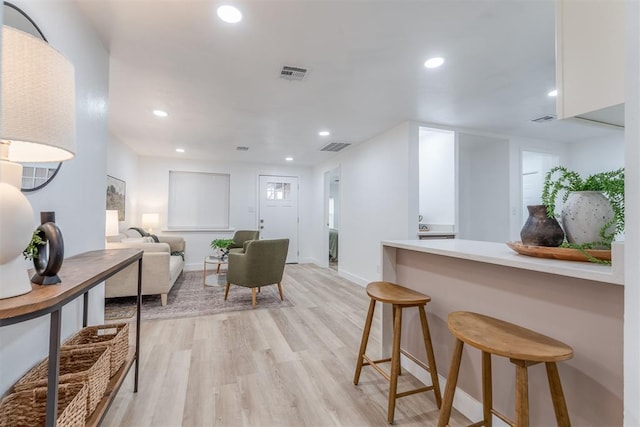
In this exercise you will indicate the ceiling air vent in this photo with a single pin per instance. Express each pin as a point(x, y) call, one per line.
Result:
point(242, 148)
point(293, 73)
point(335, 146)
point(547, 118)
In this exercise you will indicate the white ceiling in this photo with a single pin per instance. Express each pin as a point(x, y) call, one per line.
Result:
point(220, 82)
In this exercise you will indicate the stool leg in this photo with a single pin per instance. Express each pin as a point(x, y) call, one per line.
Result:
point(430, 356)
point(487, 392)
point(452, 381)
point(365, 339)
point(522, 394)
point(557, 396)
point(399, 365)
point(395, 362)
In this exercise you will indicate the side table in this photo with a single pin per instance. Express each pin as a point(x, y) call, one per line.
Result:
point(220, 277)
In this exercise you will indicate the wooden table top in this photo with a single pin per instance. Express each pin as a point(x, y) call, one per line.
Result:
point(79, 273)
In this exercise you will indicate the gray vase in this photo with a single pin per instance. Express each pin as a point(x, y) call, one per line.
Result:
point(583, 216)
point(540, 230)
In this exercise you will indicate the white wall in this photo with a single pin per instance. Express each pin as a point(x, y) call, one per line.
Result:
point(596, 155)
point(152, 196)
point(632, 225)
point(437, 172)
point(375, 206)
point(483, 188)
point(122, 163)
point(77, 194)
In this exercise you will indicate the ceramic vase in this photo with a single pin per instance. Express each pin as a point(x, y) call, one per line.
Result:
point(539, 229)
point(583, 216)
point(50, 255)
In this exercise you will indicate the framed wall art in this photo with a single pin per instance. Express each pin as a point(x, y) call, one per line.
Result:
point(116, 196)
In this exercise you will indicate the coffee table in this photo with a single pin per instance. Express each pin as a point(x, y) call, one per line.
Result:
point(221, 278)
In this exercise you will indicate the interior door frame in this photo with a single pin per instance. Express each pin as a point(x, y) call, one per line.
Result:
point(324, 261)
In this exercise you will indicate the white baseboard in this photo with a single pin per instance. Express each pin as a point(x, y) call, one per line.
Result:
point(353, 278)
point(194, 266)
point(462, 401)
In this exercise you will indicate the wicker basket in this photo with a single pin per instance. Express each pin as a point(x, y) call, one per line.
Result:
point(88, 365)
point(28, 408)
point(115, 336)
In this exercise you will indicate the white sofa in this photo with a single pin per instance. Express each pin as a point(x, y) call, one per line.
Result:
point(160, 269)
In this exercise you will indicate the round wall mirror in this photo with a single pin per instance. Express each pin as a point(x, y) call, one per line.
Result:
point(34, 175)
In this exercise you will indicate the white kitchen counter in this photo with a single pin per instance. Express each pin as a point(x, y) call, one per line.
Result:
point(578, 303)
point(501, 254)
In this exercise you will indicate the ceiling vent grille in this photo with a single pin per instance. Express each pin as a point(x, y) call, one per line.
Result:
point(242, 148)
point(293, 73)
point(335, 146)
point(547, 118)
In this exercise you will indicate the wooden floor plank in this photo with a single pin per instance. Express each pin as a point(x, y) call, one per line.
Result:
point(290, 366)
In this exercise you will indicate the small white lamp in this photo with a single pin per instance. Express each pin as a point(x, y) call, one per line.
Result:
point(149, 221)
point(37, 124)
point(111, 227)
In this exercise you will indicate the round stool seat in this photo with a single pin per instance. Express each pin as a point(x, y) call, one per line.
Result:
point(506, 339)
point(391, 293)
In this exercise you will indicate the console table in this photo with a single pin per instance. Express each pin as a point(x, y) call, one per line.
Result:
point(79, 274)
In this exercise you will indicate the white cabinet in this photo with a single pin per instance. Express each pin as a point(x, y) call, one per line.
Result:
point(590, 52)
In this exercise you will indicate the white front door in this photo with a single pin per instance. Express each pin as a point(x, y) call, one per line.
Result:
point(278, 216)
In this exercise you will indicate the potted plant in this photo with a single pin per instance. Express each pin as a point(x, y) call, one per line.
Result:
point(221, 247)
point(597, 201)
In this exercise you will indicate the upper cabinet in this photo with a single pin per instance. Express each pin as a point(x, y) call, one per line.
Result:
point(590, 59)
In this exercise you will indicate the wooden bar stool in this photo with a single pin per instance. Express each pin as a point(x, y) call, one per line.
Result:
point(523, 347)
point(400, 297)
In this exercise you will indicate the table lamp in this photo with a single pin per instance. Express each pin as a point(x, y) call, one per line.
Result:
point(111, 227)
point(37, 124)
point(150, 220)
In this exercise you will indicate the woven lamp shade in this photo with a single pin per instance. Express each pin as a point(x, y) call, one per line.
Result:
point(37, 113)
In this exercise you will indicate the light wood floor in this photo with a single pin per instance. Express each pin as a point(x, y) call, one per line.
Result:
point(281, 367)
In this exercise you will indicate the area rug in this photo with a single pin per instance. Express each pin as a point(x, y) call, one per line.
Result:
point(189, 298)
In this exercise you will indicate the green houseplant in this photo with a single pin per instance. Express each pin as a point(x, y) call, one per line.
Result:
point(221, 246)
point(31, 251)
point(561, 182)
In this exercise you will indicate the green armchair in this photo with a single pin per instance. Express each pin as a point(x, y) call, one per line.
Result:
point(261, 264)
point(240, 238)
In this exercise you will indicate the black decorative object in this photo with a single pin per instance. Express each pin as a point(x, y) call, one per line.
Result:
point(50, 255)
point(540, 230)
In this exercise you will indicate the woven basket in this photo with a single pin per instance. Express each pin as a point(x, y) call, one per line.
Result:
point(28, 408)
point(115, 336)
point(88, 365)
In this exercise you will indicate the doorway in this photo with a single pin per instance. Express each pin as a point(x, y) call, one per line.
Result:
point(278, 211)
point(535, 166)
point(332, 183)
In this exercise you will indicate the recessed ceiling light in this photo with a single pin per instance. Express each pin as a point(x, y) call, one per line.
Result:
point(434, 62)
point(324, 133)
point(289, 159)
point(553, 93)
point(179, 150)
point(160, 113)
point(229, 14)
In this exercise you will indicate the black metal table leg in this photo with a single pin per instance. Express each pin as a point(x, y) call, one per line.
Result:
point(85, 309)
point(54, 369)
point(138, 320)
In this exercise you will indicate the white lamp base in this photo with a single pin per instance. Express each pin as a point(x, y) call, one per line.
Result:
point(14, 279)
point(16, 227)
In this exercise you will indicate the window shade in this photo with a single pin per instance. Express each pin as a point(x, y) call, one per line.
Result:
point(198, 200)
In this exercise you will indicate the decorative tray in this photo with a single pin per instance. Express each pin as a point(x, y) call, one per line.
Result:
point(566, 254)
